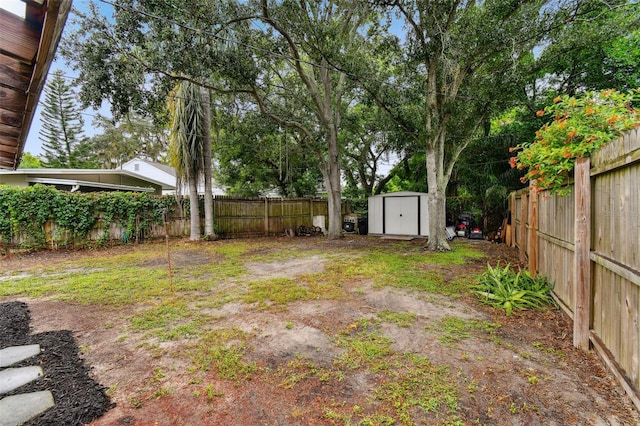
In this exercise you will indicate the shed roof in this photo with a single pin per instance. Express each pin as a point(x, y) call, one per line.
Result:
point(27, 48)
point(401, 194)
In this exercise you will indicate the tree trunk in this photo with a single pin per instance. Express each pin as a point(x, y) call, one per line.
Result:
point(334, 188)
point(194, 210)
point(334, 205)
point(206, 153)
point(436, 199)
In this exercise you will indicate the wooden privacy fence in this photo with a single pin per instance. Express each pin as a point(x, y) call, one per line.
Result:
point(233, 217)
point(236, 217)
point(266, 216)
point(588, 244)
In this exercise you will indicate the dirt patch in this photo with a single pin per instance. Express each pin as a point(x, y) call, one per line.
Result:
point(286, 268)
point(524, 372)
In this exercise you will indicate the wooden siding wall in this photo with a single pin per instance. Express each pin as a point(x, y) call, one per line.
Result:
point(613, 307)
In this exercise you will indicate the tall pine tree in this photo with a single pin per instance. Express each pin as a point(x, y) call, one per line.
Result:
point(63, 142)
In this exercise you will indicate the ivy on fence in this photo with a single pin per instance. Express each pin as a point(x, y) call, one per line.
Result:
point(24, 213)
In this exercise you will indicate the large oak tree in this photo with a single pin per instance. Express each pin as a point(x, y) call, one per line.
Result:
point(277, 55)
point(460, 61)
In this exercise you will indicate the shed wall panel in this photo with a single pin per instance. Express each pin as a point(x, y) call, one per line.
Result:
point(401, 213)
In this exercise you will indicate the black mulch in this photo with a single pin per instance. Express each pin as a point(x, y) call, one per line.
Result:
point(78, 398)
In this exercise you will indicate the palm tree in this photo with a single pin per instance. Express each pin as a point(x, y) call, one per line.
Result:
point(207, 166)
point(189, 135)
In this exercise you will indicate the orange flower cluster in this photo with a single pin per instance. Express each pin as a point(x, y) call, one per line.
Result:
point(578, 127)
point(613, 119)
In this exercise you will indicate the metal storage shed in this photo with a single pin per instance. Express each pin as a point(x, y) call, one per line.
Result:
point(399, 213)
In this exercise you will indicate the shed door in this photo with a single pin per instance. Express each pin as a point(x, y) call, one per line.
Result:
point(401, 215)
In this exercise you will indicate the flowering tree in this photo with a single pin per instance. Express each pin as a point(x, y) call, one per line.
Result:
point(579, 127)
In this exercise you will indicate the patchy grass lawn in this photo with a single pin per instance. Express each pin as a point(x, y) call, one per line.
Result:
point(309, 331)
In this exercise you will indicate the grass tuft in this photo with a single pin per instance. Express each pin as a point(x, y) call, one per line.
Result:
point(221, 350)
point(454, 329)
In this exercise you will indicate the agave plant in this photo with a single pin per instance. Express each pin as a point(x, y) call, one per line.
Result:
point(506, 289)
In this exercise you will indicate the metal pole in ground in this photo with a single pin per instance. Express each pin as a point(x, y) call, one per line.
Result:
point(165, 215)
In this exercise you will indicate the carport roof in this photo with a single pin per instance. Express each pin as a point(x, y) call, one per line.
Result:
point(111, 179)
point(27, 48)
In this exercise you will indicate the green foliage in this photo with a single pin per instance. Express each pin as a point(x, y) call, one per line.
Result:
point(186, 130)
point(132, 137)
point(623, 57)
point(190, 149)
point(30, 161)
point(255, 155)
point(505, 289)
point(136, 212)
point(369, 138)
point(24, 213)
point(595, 47)
point(580, 126)
point(63, 143)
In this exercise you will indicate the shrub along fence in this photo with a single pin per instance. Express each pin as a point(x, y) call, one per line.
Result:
point(41, 217)
point(588, 243)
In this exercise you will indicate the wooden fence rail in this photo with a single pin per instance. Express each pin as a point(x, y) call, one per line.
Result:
point(588, 244)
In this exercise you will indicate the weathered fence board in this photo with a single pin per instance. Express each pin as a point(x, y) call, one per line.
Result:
point(265, 216)
point(608, 275)
point(556, 243)
point(581, 265)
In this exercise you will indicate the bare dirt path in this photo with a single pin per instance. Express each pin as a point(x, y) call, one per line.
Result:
point(521, 371)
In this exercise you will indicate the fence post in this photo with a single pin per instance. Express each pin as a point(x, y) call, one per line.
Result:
point(266, 216)
point(533, 229)
point(523, 226)
point(581, 261)
point(512, 220)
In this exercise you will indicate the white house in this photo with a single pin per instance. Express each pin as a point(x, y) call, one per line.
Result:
point(399, 213)
point(163, 173)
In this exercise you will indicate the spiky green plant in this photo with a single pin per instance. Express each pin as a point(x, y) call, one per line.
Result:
point(188, 137)
point(506, 289)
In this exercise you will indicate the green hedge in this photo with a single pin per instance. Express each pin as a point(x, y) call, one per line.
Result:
point(25, 211)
